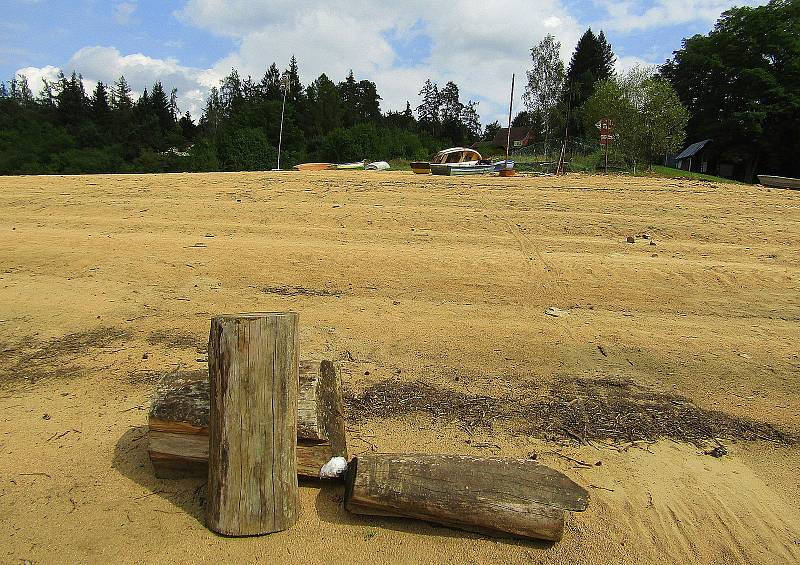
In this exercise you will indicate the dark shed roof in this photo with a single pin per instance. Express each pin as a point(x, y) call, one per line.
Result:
point(692, 150)
point(517, 134)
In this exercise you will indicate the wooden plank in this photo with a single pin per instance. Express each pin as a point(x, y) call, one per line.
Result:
point(311, 456)
point(484, 494)
point(252, 462)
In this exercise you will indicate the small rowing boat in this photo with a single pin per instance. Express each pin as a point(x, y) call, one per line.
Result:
point(350, 166)
point(314, 166)
point(501, 165)
point(421, 167)
point(459, 170)
point(779, 182)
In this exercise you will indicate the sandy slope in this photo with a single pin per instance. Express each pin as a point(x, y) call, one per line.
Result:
point(108, 281)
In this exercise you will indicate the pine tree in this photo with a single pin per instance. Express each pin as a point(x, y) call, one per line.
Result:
point(3, 90)
point(271, 84)
point(212, 114)
point(295, 86)
point(187, 126)
point(121, 96)
point(348, 90)
point(231, 95)
point(325, 109)
point(47, 96)
point(25, 94)
point(101, 109)
point(407, 113)
point(607, 56)
point(428, 111)
point(451, 112)
point(591, 61)
point(471, 120)
point(72, 102)
point(161, 108)
point(367, 102)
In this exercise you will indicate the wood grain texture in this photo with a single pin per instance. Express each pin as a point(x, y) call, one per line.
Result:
point(182, 399)
point(178, 421)
point(483, 494)
point(252, 462)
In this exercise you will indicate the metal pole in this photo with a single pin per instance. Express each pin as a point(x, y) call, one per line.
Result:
point(510, 105)
point(607, 142)
point(280, 135)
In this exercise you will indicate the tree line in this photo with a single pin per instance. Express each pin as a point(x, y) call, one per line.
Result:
point(64, 129)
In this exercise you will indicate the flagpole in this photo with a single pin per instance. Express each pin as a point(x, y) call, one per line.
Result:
point(285, 88)
point(510, 105)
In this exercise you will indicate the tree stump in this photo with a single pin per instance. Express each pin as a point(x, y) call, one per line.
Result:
point(490, 495)
point(252, 470)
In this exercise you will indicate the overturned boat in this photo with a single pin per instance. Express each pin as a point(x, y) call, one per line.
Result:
point(314, 166)
point(779, 182)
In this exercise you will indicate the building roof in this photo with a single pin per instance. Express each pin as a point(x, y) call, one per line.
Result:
point(692, 150)
point(517, 134)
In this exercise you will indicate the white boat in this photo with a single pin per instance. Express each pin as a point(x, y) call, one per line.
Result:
point(355, 165)
point(455, 157)
point(378, 166)
point(779, 182)
point(500, 165)
point(457, 169)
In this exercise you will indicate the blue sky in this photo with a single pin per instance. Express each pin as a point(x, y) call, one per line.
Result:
point(191, 44)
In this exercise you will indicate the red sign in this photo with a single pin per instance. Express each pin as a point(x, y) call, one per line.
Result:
point(606, 127)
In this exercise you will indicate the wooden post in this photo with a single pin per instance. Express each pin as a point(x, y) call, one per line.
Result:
point(483, 494)
point(252, 470)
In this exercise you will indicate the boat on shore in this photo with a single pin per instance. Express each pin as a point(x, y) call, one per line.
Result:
point(460, 170)
point(314, 166)
point(507, 164)
point(779, 182)
point(351, 166)
point(454, 157)
point(421, 167)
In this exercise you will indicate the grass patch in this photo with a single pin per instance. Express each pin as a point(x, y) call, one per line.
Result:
point(670, 173)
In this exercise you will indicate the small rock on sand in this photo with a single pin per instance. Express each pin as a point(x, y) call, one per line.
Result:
point(555, 312)
point(630, 239)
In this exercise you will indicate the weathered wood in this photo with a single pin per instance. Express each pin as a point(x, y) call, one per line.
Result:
point(178, 421)
point(252, 462)
point(483, 494)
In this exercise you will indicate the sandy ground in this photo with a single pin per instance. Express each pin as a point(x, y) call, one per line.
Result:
point(106, 282)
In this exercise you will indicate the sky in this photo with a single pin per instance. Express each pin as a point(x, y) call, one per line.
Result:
point(192, 44)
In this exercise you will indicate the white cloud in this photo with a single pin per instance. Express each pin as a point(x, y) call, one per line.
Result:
point(477, 44)
point(107, 64)
point(626, 63)
point(124, 11)
point(35, 76)
point(636, 15)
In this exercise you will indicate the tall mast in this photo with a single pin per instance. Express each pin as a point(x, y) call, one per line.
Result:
point(510, 105)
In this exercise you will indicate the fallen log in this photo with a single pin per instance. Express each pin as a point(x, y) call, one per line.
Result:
point(253, 366)
point(487, 495)
point(178, 421)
